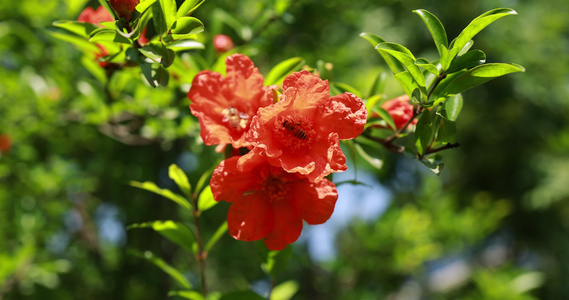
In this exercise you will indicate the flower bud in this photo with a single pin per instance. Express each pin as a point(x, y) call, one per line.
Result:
point(93, 16)
point(124, 7)
point(5, 143)
point(222, 43)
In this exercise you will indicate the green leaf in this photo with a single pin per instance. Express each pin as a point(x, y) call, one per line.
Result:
point(277, 261)
point(143, 6)
point(205, 200)
point(407, 82)
point(105, 4)
point(465, 48)
point(285, 290)
point(447, 57)
point(479, 75)
point(182, 45)
point(203, 179)
point(151, 186)
point(383, 114)
point(425, 64)
point(83, 29)
point(155, 74)
point(159, 53)
point(480, 23)
point(178, 175)
point(466, 61)
point(188, 7)
point(163, 15)
point(374, 162)
point(434, 163)
point(435, 27)
point(192, 295)
point(453, 106)
point(176, 232)
point(185, 26)
point(392, 63)
point(216, 236)
point(79, 42)
point(108, 35)
point(173, 272)
point(242, 295)
point(344, 87)
point(378, 85)
point(424, 132)
point(445, 83)
point(404, 56)
point(283, 69)
point(447, 131)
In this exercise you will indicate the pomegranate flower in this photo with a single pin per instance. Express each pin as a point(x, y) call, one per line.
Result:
point(226, 105)
point(93, 16)
point(222, 43)
point(400, 110)
point(124, 7)
point(270, 203)
point(301, 133)
point(5, 143)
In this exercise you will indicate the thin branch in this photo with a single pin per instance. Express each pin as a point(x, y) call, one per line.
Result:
point(201, 255)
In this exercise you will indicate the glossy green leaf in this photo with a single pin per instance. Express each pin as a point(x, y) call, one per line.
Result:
point(425, 64)
point(392, 63)
point(435, 163)
point(447, 131)
point(183, 45)
point(435, 27)
point(378, 85)
point(242, 295)
point(176, 232)
point(79, 42)
point(188, 6)
point(179, 176)
point(374, 162)
point(185, 26)
point(169, 9)
point(164, 266)
point(466, 48)
point(480, 23)
point(216, 236)
point(383, 114)
point(453, 106)
point(424, 131)
point(151, 186)
point(447, 57)
point(191, 295)
point(285, 290)
point(278, 73)
point(470, 59)
point(445, 83)
point(407, 82)
point(479, 75)
point(158, 53)
point(141, 8)
point(205, 200)
point(108, 35)
point(404, 56)
point(83, 29)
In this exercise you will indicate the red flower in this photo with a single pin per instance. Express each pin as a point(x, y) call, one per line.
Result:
point(142, 39)
point(222, 43)
point(301, 132)
point(400, 110)
point(5, 143)
point(92, 16)
point(269, 202)
point(124, 7)
point(225, 105)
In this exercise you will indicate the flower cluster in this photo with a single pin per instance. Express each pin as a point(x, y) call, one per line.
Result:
point(292, 142)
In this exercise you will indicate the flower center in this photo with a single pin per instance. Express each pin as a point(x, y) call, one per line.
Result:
point(294, 131)
point(236, 119)
point(275, 187)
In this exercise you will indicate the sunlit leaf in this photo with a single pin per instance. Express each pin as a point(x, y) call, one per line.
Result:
point(105, 4)
point(83, 29)
point(159, 53)
point(173, 272)
point(221, 230)
point(374, 162)
point(155, 74)
point(151, 186)
point(392, 63)
point(185, 26)
point(404, 56)
point(425, 64)
point(453, 106)
point(407, 82)
point(435, 163)
point(468, 60)
point(281, 70)
point(188, 7)
point(285, 290)
point(479, 75)
point(108, 35)
point(182, 45)
point(205, 200)
point(424, 131)
point(480, 23)
point(435, 27)
point(383, 114)
point(176, 232)
point(179, 176)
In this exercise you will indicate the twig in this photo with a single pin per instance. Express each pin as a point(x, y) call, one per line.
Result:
point(201, 255)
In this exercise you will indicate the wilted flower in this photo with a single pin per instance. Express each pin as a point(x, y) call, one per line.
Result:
point(225, 105)
point(270, 203)
point(301, 133)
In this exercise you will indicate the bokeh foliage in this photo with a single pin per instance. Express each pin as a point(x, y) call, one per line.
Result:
point(496, 216)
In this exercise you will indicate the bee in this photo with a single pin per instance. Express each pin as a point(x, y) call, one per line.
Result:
point(235, 118)
point(295, 129)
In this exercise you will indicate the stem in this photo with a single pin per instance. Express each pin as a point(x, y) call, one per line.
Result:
point(447, 146)
point(387, 144)
point(439, 79)
point(417, 110)
point(201, 255)
point(273, 282)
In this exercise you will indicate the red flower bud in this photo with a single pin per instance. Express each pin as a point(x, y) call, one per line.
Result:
point(124, 7)
point(222, 43)
point(400, 109)
point(5, 143)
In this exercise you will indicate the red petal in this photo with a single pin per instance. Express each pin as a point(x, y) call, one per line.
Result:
point(228, 183)
point(246, 83)
point(287, 226)
point(315, 201)
point(250, 218)
point(309, 89)
point(344, 114)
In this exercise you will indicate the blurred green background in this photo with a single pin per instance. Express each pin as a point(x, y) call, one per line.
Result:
point(494, 225)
